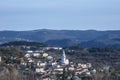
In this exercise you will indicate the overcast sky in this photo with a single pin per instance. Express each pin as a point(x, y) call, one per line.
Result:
point(59, 14)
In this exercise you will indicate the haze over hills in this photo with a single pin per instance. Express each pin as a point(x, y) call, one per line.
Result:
point(83, 38)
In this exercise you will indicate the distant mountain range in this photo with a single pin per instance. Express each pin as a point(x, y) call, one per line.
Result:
point(83, 38)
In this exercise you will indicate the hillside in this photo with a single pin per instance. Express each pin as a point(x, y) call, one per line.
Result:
point(62, 37)
point(23, 43)
point(112, 43)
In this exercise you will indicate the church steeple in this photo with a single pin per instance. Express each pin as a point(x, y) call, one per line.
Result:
point(63, 58)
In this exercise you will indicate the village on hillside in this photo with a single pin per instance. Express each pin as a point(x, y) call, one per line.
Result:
point(34, 61)
point(43, 66)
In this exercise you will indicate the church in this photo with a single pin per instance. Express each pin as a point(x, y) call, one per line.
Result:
point(63, 59)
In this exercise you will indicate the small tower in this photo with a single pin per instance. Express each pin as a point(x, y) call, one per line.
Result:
point(0, 59)
point(63, 59)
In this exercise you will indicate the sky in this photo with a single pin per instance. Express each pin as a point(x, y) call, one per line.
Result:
point(59, 14)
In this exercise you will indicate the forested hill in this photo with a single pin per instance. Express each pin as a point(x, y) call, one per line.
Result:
point(24, 43)
point(62, 37)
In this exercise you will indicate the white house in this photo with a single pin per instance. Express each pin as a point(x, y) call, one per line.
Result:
point(36, 54)
point(27, 55)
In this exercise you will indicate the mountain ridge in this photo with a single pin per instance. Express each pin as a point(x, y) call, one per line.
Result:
point(64, 37)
